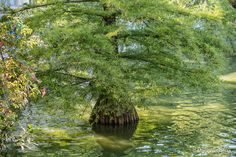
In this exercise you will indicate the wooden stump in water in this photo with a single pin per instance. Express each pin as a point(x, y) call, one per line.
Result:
point(109, 112)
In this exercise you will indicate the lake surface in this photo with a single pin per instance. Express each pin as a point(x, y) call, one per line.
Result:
point(189, 125)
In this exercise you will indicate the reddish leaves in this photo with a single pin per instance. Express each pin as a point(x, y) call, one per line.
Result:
point(1, 44)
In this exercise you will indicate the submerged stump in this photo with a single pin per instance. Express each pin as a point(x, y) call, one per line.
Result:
point(107, 111)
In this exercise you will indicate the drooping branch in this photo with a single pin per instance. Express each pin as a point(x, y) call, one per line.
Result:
point(140, 59)
point(138, 34)
point(29, 7)
point(58, 72)
point(74, 76)
point(90, 12)
point(159, 64)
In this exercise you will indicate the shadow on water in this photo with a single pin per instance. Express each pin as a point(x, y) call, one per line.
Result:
point(114, 140)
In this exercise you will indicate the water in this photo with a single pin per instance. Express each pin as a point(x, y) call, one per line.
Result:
point(189, 125)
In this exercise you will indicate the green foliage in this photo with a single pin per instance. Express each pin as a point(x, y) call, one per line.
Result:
point(130, 50)
point(16, 83)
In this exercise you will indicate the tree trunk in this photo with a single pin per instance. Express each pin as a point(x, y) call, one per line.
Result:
point(107, 111)
point(233, 3)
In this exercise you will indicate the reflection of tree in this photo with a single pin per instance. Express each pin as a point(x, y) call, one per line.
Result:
point(230, 86)
point(229, 94)
point(114, 140)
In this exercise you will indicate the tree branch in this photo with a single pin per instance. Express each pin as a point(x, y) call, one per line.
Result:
point(89, 12)
point(57, 71)
point(28, 7)
point(74, 76)
point(163, 66)
point(138, 34)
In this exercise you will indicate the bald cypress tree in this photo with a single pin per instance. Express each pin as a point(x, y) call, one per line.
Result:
point(122, 53)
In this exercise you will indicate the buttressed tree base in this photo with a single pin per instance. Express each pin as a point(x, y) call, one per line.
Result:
point(110, 112)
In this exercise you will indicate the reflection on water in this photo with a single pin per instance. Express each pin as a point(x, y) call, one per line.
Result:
point(190, 125)
point(114, 140)
point(231, 77)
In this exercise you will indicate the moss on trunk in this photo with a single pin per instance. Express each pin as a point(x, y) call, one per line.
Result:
point(107, 111)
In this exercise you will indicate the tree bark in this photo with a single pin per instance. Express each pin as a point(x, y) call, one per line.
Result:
point(107, 111)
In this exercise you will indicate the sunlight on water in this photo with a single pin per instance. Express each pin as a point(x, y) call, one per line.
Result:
point(188, 125)
point(231, 77)
point(204, 128)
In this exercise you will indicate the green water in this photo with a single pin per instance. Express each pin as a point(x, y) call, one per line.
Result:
point(189, 125)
